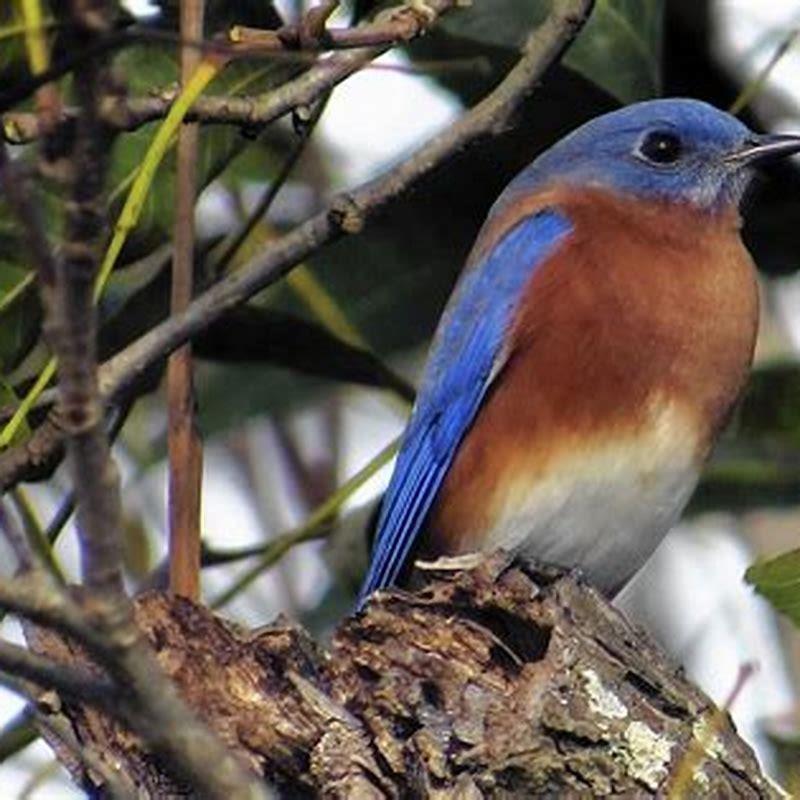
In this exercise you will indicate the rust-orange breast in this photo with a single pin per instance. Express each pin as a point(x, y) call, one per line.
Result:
point(643, 303)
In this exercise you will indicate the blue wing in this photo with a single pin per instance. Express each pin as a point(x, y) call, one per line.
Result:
point(466, 355)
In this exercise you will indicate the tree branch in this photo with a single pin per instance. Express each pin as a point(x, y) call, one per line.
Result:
point(59, 735)
point(76, 684)
point(394, 26)
point(185, 447)
point(70, 321)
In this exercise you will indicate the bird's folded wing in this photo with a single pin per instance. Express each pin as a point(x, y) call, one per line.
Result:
point(466, 356)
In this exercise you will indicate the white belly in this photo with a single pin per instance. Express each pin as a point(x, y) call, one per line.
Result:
point(605, 507)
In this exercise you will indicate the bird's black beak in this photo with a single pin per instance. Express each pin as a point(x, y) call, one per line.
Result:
point(765, 147)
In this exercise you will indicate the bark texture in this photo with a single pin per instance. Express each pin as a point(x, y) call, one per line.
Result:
point(490, 682)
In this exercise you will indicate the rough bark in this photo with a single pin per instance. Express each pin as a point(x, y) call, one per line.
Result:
point(490, 682)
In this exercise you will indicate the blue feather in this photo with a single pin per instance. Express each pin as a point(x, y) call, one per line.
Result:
point(466, 354)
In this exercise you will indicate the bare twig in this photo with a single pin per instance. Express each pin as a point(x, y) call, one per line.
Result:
point(184, 443)
point(264, 203)
point(16, 538)
point(393, 26)
point(400, 24)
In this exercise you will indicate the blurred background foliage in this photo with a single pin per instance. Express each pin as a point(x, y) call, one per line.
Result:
point(389, 283)
point(271, 374)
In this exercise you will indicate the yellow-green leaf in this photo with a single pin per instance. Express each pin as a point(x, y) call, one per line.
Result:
point(778, 579)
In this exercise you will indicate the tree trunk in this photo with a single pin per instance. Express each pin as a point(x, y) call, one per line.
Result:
point(490, 682)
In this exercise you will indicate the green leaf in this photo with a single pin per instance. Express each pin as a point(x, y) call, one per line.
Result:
point(252, 334)
point(778, 579)
point(619, 49)
point(503, 23)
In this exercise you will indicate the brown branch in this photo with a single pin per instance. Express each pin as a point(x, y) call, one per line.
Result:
point(58, 733)
point(70, 323)
point(394, 26)
point(183, 439)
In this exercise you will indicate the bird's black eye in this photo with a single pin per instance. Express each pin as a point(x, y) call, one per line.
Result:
point(661, 147)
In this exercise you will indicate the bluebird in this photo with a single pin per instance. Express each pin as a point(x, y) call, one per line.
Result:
point(591, 352)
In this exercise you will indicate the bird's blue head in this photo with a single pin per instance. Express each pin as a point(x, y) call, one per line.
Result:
point(675, 150)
